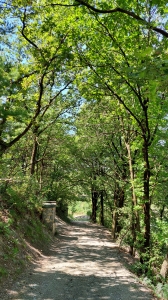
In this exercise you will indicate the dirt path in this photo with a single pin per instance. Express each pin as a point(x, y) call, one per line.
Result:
point(83, 265)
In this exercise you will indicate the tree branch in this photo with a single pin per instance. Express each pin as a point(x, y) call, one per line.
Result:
point(54, 97)
point(112, 91)
point(23, 33)
point(124, 11)
point(65, 5)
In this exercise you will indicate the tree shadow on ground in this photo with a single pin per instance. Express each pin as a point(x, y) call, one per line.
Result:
point(84, 265)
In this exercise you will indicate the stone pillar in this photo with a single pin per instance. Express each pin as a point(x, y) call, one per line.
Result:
point(48, 215)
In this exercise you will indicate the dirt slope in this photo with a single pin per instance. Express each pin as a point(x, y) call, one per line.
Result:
point(83, 264)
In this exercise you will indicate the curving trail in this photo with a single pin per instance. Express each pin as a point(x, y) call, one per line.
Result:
point(83, 265)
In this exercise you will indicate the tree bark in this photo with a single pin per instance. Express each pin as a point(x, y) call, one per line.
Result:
point(114, 219)
point(135, 224)
point(115, 213)
point(34, 156)
point(144, 257)
point(146, 197)
point(102, 207)
point(95, 196)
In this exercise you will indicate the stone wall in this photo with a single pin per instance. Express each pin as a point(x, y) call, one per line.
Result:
point(48, 215)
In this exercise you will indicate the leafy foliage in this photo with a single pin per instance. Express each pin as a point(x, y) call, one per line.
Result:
point(83, 111)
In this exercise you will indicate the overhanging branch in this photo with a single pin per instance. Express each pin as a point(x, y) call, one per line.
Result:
point(124, 11)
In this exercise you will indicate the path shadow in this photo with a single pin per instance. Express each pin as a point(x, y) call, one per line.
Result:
point(84, 265)
point(59, 286)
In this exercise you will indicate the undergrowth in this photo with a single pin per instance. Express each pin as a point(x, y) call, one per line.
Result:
point(156, 282)
point(20, 229)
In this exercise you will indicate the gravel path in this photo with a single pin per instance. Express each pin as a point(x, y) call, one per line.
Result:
point(83, 265)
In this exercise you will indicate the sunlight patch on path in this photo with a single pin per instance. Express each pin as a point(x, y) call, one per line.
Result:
point(85, 265)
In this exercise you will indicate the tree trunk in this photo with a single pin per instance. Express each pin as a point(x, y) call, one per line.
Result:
point(162, 211)
point(102, 208)
point(120, 204)
point(95, 196)
point(114, 224)
point(34, 156)
point(135, 223)
point(115, 213)
point(146, 206)
point(119, 197)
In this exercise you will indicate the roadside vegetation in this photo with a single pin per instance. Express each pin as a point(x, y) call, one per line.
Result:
point(23, 238)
